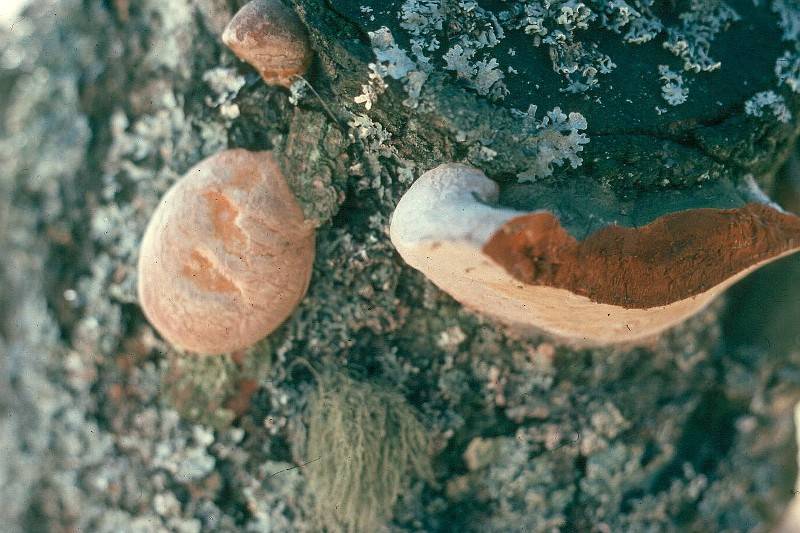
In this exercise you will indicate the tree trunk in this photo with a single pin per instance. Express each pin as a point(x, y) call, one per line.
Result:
point(106, 427)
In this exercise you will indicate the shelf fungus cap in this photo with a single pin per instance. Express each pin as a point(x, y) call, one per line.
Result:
point(271, 37)
point(227, 255)
point(613, 284)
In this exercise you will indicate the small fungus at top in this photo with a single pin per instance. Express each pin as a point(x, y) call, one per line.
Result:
point(271, 37)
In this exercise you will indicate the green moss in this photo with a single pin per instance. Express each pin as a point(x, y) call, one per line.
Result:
point(210, 390)
point(366, 443)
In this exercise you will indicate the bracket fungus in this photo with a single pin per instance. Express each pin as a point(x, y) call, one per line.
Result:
point(227, 255)
point(271, 37)
point(592, 271)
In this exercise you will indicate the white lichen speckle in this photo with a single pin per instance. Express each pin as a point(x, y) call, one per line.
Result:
point(558, 140)
point(297, 91)
point(787, 69)
point(700, 25)
point(468, 56)
point(372, 134)
point(789, 14)
point(564, 27)
point(775, 103)
point(225, 83)
point(392, 62)
point(484, 75)
point(371, 90)
point(423, 17)
point(673, 90)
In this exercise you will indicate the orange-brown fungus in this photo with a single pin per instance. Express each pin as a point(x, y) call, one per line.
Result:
point(227, 255)
point(676, 256)
point(223, 217)
point(271, 37)
point(201, 271)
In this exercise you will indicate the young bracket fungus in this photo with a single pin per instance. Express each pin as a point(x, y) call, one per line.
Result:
point(622, 280)
point(227, 255)
point(270, 36)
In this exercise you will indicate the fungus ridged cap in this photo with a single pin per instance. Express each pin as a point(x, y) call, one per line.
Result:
point(271, 37)
point(227, 255)
point(613, 284)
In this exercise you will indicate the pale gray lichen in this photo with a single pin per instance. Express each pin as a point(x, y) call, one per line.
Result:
point(518, 483)
point(673, 90)
point(392, 62)
point(787, 67)
point(555, 25)
point(297, 91)
point(700, 24)
point(372, 135)
point(636, 19)
point(100, 450)
point(423, 18)
point(371, 90)
point(557, 140)
point(561, 26)
point(768, 100)
point(478, 29)
point(789, 16)
point(172, 32)
point(483, 75)
point(565, 28)
point(225, 83)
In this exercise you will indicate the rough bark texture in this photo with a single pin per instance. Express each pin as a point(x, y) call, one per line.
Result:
point(103, 427)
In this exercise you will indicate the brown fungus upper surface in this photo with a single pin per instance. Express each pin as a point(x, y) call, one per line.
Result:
point(270, 36)
point(227, 255)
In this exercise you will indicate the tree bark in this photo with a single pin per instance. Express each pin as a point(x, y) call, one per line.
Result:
point(105, 427)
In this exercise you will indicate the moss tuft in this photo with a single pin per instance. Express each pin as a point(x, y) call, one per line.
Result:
point(365, 441)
